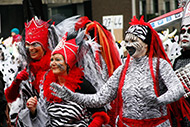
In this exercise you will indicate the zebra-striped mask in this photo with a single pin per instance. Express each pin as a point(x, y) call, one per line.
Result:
point(141, 31)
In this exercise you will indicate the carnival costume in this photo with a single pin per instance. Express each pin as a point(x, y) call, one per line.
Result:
point(100, 56)
point(144, 86)
point(53, 111)
point(35, 31)
point(181, 64)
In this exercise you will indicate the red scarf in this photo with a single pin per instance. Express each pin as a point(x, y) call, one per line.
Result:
point(38, 68)
point(71, 82)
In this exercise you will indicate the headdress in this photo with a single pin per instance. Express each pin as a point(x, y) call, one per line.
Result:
point(68, 49)
point(37, 31)
point(141, 31)
point(108, 46)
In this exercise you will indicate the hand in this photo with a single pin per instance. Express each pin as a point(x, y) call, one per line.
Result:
point(60, 91)
point(23, 75)
point(32, 104)
point(99, 118)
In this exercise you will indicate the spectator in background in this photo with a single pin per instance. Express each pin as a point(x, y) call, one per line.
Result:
point(16, 36)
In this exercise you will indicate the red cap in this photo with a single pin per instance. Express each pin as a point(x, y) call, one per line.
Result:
point(37, 31)
point(68, 49)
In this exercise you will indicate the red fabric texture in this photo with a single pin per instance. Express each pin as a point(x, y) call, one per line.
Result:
point(103, 37)
point(145, 122)
point(17, 38)
point(82, 21)
point(71, 82)
point(68, 49)
point(99, 118)
point(179, 109)
point(108, 50)
point(23, 75)
point(37, 31)
point(38, 68)
point(12, 92)
point(9, 93)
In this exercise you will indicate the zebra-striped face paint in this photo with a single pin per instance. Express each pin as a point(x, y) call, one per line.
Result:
point(135, 47)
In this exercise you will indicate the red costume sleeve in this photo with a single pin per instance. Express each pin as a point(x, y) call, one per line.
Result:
point(12, 92)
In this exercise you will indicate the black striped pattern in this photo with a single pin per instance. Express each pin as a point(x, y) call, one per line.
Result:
point(28, 91)
point(68, 114)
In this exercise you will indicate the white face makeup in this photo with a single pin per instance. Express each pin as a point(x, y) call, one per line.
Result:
point(185, 37)
point(135, 47)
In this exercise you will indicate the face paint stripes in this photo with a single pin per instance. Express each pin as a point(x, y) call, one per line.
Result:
point(138, 30)
point(61, 67)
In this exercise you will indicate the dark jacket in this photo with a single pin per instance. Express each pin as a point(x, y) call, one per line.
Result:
point(3, 103)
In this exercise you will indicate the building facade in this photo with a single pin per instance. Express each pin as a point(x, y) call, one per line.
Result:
point(154, 8)
point(11, 12)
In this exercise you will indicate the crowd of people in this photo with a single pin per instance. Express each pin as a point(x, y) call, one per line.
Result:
point(71, 75)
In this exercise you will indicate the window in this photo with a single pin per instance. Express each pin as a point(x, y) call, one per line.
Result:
point(143, 7)
point(155, 2)
point(167, 6)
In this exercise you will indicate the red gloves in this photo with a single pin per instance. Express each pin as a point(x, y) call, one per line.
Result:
point(12, 92)
point(99, 118)
point(23, 75)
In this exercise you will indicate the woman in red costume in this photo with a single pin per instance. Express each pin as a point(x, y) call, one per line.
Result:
point(53, 111)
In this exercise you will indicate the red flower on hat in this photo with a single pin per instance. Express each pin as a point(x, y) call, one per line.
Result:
point(68, 49)
point(37, 31)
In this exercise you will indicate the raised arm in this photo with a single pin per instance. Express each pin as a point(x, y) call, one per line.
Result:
point(106, 94)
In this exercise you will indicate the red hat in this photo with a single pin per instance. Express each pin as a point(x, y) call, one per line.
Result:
point(68, 49)
point(37, 31)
